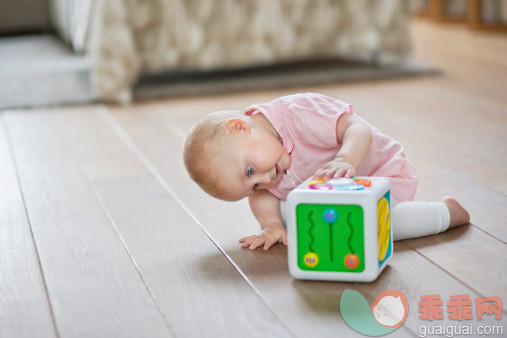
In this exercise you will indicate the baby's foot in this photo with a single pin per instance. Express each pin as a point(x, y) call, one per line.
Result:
point(459, 215)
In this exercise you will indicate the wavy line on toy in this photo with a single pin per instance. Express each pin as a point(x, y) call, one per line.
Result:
point(310, 230)
point(351, 232)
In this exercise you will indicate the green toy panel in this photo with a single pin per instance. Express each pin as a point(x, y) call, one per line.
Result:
point(330, 237)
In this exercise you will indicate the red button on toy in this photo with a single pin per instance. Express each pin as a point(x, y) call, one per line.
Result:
point(351, 261)
point(363, 181)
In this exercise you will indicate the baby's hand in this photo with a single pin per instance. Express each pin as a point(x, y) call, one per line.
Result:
point(267, 237)
point(335, 169)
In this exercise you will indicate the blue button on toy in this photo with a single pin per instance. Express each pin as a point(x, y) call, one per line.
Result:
point(329, 216)
point(349, 187)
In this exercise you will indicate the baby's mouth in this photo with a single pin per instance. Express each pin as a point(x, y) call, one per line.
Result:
point(278, 169)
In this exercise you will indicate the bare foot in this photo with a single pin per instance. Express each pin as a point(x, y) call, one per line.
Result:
point(459, 215)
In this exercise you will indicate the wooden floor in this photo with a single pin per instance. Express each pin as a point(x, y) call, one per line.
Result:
point(102, 233)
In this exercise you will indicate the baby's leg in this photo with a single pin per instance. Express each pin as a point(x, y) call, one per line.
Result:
point(418, 219)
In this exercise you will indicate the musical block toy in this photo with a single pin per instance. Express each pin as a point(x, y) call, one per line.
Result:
point(340, 229)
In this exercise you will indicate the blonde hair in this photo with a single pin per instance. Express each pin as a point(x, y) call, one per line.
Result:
point(205, 142)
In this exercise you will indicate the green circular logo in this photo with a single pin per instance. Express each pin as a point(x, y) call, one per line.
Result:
point(386, 314)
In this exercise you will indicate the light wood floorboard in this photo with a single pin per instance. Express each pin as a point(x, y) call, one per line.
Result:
point(93, 287)
point(195, 286)
point(23, 297)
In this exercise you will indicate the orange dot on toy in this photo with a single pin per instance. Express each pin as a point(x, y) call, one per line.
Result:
point(351, 261)
point(363, 181)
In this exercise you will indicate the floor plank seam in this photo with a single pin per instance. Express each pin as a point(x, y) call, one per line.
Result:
point(448, 273)
point(471, 224)
point(41, 270)
point(125, 138)
point(113, 224)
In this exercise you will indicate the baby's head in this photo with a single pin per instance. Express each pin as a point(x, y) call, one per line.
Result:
point(230, 155)
point(204, 145)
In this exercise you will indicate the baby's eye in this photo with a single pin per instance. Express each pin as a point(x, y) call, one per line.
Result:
point(256, 186)
point(249, 171)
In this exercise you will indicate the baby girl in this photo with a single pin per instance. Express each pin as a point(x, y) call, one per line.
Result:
point(269, 149)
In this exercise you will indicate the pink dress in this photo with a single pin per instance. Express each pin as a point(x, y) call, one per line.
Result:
point(307, 125)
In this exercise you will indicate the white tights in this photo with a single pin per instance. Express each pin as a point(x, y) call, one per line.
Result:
point(412, 219)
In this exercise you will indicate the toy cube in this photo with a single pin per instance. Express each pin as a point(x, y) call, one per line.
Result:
point(340, 229)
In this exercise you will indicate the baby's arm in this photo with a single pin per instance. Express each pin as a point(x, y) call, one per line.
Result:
point(266, 208)
point(355, 137)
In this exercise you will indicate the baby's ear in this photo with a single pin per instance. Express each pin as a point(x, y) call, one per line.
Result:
point(237, 125)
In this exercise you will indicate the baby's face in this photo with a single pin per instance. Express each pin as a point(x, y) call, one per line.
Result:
point(252, 160)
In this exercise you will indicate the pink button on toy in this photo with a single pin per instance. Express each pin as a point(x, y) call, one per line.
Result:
point(320, 186)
